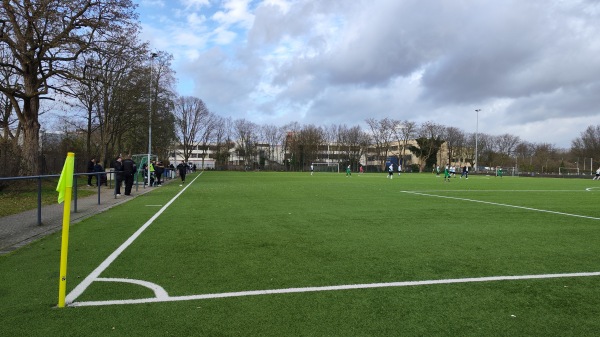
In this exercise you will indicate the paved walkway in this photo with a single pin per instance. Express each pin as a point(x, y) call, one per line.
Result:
point(18, 230)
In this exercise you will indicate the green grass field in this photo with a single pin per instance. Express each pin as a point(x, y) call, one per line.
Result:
point(229, 248)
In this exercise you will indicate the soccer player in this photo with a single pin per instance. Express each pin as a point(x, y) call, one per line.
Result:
point(597, 177)
point(447, 173)
point(348, 171)
point(391, 171)
point(311, 169)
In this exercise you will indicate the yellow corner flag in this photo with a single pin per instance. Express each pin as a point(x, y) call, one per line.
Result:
point(64, 189)
point(66, 177)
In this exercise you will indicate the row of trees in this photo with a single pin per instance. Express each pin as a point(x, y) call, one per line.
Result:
point(85, 57)
point(303, 144)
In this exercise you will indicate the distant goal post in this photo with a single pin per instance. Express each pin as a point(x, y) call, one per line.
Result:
point(572, 171)
point(326, 167)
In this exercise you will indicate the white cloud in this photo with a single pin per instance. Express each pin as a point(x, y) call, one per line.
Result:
point(530, 65)
point(234, 12)
point(195, 4)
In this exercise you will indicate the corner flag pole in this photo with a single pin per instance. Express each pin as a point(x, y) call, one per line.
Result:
point(64, 189)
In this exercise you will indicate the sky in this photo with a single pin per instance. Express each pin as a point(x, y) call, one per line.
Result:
point(532, 67)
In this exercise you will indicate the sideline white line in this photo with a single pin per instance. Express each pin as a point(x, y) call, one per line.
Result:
point(505, 205)
point(80, 288)
point(331, 288)
point(493, 191)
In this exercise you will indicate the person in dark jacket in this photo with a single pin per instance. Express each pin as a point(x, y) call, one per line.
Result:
point(90, 169)
point(118, 166)
point(182, 168)
point(100, 175)
point(159, 169)
point(128, 174)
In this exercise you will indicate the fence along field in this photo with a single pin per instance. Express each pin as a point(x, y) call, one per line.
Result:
point(349, 243)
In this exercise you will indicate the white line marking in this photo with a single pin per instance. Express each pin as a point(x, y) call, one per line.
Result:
point(466, 191)
point(505, 205)
point(159, 291)
point(80, 288)
point(331, 288)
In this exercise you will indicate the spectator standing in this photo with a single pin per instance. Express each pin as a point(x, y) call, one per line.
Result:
point(90, 169)
point(172, 170)
point(118, 166)
point(128, 174)
point(100, 175)
point(152, 172)
point(145, 170)
point(159, 169)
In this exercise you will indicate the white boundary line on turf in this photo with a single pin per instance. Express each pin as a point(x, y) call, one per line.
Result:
point(93, 276)
point(505, 205)
point(477, 191)
point(165, 298)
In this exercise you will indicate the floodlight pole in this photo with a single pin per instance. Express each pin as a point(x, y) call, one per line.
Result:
point(476, 136)
point(152, 56)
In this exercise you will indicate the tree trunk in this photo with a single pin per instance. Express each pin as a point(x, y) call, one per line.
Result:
point(31, 131)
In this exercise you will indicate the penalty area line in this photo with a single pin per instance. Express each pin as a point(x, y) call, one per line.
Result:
point(332, 288)
point(505, 205)
point(81, 287)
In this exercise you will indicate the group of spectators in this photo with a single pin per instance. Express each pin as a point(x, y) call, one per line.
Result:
point(125, 170)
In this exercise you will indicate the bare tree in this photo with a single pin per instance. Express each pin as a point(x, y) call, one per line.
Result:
point(222, 139)
point(331, 134)
point(354, 143)
point(468, 149)
point(454, 138)
point(246, 138)
point(382, 133)
point(485, 152)
point(405, 131)
point(44, 37)
point(505, 146)
point(274, 136)
point(429, 142)
point(290, 145)
point(524, 152)
point(189, 113)
point(545, 158)
point(588, 143)
point(206, 128)
point(309, 141)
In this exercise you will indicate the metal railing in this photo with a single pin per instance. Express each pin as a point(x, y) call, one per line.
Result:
point(110, 178)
